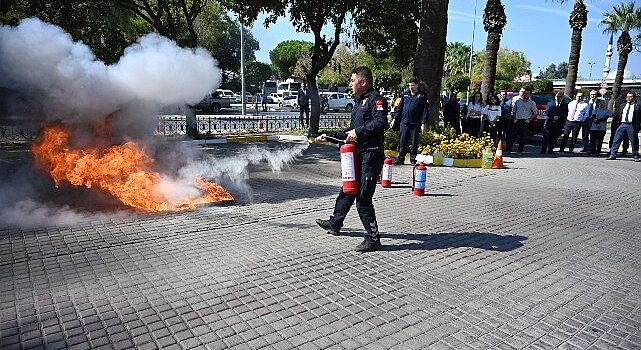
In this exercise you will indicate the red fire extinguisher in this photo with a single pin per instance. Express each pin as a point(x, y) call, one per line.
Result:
point(419, 177)
point(386, 175)
point(349, 168)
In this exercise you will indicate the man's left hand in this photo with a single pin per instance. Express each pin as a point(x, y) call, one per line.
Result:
point(423, 127)
point(351, 136)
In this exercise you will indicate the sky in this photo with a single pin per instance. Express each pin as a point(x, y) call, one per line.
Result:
point(539, 28)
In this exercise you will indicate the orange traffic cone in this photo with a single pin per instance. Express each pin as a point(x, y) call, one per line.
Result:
point(497, 162)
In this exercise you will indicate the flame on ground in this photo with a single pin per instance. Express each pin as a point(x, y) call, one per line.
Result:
point(123, 171)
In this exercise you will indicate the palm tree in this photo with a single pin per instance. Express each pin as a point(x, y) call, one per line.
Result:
point(623, 18)
point(457, 56)
point(494, 20)
point(430, 50)
point(578, 21)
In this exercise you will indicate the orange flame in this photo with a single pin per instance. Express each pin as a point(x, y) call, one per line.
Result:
point(123, 171)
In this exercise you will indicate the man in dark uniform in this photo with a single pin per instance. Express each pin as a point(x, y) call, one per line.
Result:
point(411, 114)
point(367, 129)
point(557, 113)
point(506, 115)
point(303, 104)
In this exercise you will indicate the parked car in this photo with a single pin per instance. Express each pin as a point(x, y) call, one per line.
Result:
point(276, 97)
point(289, 101)
point(249, 98)
point(338, 101)
point(227, 94)
point(213, 102)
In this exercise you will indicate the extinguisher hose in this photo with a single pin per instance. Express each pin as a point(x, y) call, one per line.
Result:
point(335, 139)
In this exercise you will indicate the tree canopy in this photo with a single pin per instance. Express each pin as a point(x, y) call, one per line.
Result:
point(555, 72)
point(285, 56)
point(510, 65)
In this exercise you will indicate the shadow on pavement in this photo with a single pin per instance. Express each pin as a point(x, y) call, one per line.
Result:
point(426, 241)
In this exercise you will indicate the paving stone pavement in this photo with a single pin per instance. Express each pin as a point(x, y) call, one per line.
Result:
point(545, 254)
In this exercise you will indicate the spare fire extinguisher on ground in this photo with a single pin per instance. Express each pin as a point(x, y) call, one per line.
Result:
point(386, 175)
point(419, 177)
point(349, 168)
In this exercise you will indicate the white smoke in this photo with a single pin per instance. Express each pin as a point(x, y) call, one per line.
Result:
point(49, 69)
point(28, 213)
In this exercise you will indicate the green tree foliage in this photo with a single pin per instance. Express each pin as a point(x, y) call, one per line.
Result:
point(544, 85)
point(385, 36)
point(257, 72)
point(285, 56)
point(107, 30)
point(555, 72)
point(387, 79)
point(220, 35)
point(624, 18)
point(510, 65)
point(457, 59)
point(171, 18)
point(340, 67)
point(457, 82)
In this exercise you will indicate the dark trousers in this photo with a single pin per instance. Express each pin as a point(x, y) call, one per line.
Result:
point(570, 126)
point(455, 123)
point(550, 136)
point(409, 133)
point(364, 206)
point(519, 129)
point(495, 131)
point(585, 134)
point(473, 126)
point(508, 125)
point(613, 129)
point(596, 140)
point(304, 109)
point(625, 129)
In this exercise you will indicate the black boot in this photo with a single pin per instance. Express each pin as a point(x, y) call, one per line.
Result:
point(327, 225)
point(368, 245)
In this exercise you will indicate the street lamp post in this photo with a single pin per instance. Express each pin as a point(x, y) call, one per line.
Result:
point(471, 53)
point(591, 64)
point(242, 68)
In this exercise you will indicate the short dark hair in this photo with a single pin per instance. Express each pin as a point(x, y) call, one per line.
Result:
point(528, 89)
point(415, 80)
point(364, 72)
point(634, 94)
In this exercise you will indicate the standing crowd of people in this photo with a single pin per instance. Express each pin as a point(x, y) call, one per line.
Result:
point(508, 119)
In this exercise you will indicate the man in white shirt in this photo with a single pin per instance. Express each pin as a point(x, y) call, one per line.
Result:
point(523, 111)
point(630, 115)
point(587, 123)
point(577, 110)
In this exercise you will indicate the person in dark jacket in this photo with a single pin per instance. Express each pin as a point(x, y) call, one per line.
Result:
point(452, 113)
point(411, 115)
point(366, 131)
point(557, 113)
point(303, 104)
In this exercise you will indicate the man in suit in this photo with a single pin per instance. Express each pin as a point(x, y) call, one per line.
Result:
point(303, 104)
point(616, 121)
point(557, 112)
point(587, 123)
point(411, 117)
point(630, 116)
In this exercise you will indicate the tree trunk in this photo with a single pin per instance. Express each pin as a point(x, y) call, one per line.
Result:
point(573, 62)
point(489, 71)
point(624, 46)
point(314, 100)
point(430, 51)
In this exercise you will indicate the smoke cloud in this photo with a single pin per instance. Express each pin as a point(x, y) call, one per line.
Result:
point(62, 79)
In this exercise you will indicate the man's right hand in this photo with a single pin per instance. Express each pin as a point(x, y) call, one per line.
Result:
point(320, 138)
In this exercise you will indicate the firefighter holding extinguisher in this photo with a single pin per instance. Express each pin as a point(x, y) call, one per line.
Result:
point(366, 132)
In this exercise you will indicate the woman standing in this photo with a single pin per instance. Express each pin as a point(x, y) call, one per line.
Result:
point(600, 117)
point(492, 118)
point(474, 115)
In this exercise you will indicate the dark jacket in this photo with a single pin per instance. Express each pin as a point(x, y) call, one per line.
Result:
point(452, 111)
point(506, 109)
point(553, 111)
point(369, 120)
point(303, 97)
point(636, 114)
point(413, 110)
